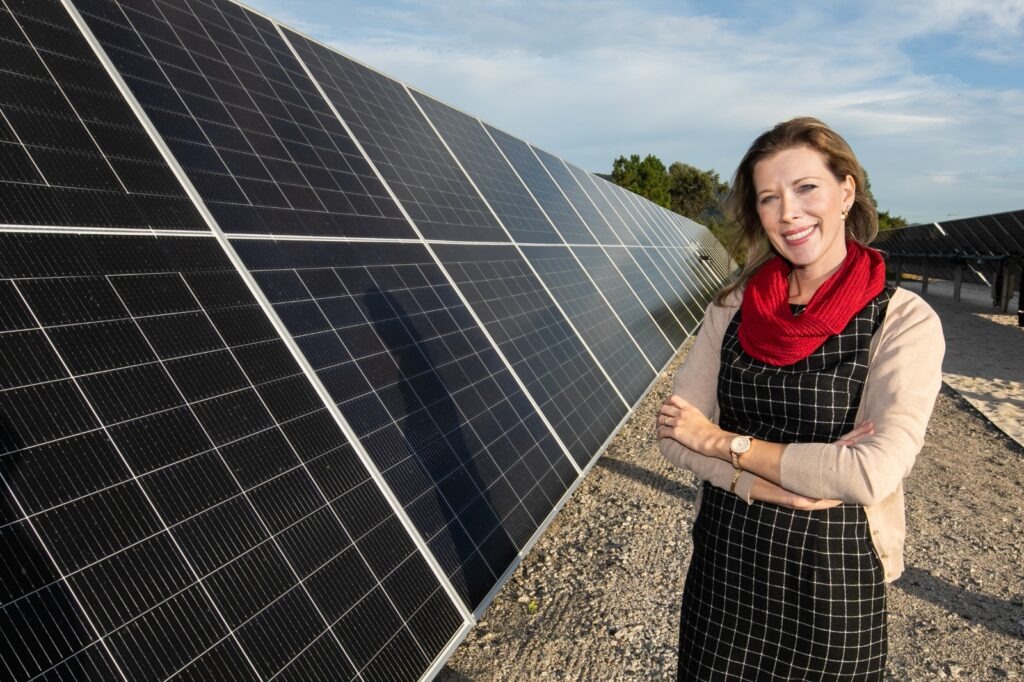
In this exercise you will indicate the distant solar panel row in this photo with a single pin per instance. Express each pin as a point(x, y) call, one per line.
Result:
point(978, 244)
point(295, 362)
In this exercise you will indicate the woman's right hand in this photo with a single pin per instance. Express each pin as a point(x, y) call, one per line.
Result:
point(766, 491)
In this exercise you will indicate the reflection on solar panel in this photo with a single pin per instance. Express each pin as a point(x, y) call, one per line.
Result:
point(296, 363)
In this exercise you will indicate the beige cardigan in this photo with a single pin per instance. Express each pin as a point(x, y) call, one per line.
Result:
point(904, 376)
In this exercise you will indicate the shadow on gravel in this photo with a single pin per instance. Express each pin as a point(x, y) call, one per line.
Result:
point(999, 615)
point(649, 478)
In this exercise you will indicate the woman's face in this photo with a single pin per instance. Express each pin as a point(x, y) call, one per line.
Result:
point(800, 204)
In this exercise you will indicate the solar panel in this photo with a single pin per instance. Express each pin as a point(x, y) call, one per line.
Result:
point(543, 188)
point(654, 342)
point(579, 199)
point(296, 363)
point(573, 393)
point(71, 151)
point(177, 497)
point(244, 120)
point(594, 320)
point(445, 422)
point(406, 150)
point(497, 181)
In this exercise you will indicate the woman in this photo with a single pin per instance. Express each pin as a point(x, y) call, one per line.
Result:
point(801, 406)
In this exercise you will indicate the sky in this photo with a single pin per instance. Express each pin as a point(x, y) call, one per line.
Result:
point(930, 95)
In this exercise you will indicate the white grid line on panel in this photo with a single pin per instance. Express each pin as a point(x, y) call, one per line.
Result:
point(71, 106)
point(437, 260)
point(279, 327)
point(643, 270)
point(530, 192)
point(464, 422)
point(696, 284)
point(165, 528)
point(644, 213)
point(522, 255)
point(105, 231)
point(14, 130)
point(574, 175)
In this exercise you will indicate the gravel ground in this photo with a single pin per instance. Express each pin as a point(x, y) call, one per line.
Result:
point(598, 596)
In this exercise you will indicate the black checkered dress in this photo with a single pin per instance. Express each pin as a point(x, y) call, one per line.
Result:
point(773, 593)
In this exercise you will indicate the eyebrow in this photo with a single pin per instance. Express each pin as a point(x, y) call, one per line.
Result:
point(795, 182)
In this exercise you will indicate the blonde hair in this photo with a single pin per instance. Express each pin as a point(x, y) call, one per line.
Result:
point(741, 203)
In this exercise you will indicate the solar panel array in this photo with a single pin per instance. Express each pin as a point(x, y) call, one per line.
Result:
point(978, 244)
point(296, 362)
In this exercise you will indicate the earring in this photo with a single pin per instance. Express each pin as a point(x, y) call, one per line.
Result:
point(845, 213)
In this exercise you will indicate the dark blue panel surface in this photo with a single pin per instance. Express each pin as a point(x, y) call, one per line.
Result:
point(504, 191)
point(654, 301)
point(544, 351)
point(555, 205)
point(72, 152)
point(243, 119)
point(626, 303)
point(593, 318)
point(683, 304)
point(395, 134)
point(177, 497)
point(580, 200)
point(599, 191)
point(455, 437)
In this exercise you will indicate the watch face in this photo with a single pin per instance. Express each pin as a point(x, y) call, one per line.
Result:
point(740, 444)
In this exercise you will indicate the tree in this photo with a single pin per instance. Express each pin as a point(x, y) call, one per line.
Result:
point(695, 193)
point(648, 178)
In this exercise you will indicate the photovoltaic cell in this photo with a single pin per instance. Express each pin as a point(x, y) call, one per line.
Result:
point(558, 372)
point(654, 300)
point(577, 197)
point(543, 188)
point(620, 200)
point(683, 304)
point(177, 498)
point(455, 437)
point(626, 303)
point(72, 152)
point(599, 191)
point(397, 137)
point(243, 119)
point(495, 178)
point(593, 319)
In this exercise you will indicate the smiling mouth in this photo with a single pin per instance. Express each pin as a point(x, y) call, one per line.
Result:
point(797, 236)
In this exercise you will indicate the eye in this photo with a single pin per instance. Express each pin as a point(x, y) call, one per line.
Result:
point(806, 187)
point(763, 201)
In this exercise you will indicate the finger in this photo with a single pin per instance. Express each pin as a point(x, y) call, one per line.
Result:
point(678, 401)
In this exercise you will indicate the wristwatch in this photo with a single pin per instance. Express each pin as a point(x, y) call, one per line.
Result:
point(738, 447)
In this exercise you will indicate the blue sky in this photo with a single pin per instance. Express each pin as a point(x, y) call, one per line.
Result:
point(930, 95)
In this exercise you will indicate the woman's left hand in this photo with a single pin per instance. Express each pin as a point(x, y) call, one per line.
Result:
point(681, 421)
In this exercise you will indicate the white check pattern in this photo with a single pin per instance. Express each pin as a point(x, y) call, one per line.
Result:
point(773, 593)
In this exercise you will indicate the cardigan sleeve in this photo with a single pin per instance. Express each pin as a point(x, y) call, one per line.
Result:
point(697, 382)
point(903, 381)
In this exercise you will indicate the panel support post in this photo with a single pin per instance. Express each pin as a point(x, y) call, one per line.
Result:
point(924, 277)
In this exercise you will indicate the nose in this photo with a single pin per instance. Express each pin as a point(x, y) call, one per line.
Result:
point(790, 207)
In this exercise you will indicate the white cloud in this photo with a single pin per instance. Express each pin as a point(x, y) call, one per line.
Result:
point(592, 80)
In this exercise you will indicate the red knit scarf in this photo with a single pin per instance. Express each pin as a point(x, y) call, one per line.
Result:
point(771, 333)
